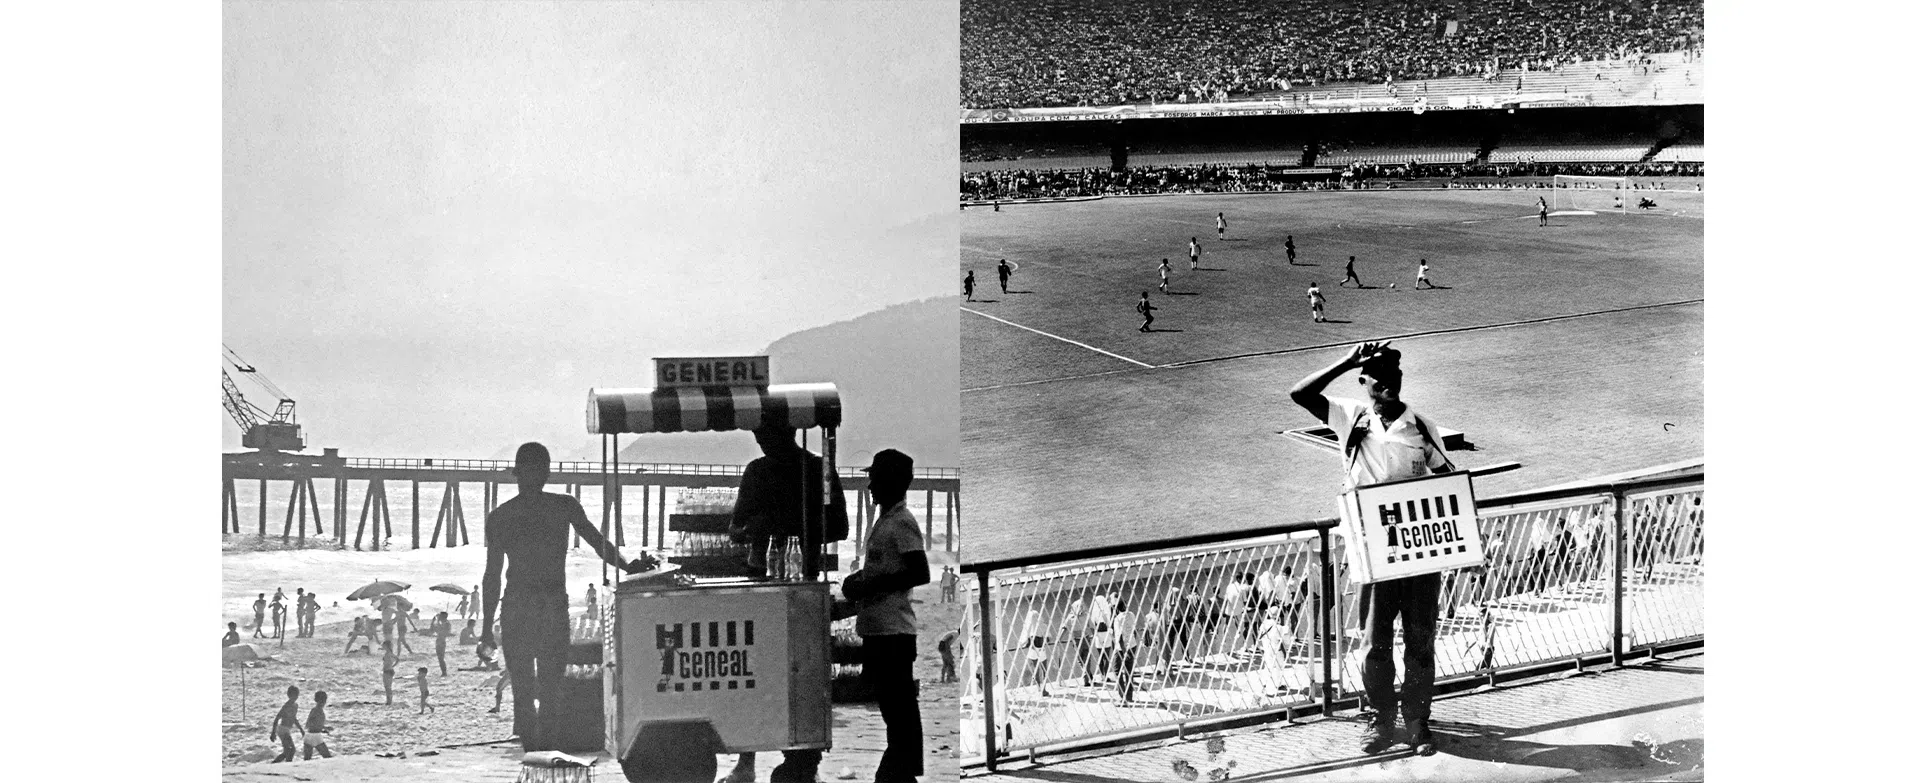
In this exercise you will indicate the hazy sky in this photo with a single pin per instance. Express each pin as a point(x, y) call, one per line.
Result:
point(444, 222)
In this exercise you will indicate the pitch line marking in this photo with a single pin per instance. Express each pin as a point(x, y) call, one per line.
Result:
point(1057, 337)
point(1039, 381)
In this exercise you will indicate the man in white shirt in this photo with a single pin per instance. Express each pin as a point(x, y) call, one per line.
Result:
point(1383, 440)
point(895, 563)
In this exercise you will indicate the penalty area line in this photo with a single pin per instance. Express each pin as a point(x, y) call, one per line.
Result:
point(1057, 337)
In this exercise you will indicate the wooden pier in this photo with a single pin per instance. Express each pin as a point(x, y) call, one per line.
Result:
point(296, 474)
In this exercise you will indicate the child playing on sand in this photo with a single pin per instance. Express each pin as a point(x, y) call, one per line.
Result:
point(420, 677)
point(388, 661)
point(316, 736)
point(284, 722)
point(233, 636)
point(359, 630)
point(469, 635)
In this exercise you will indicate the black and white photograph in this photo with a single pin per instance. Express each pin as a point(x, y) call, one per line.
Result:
point(1332, 385)
point(589, 371)
point(1323, 316)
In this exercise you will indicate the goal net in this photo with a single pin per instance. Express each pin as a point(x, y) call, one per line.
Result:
point(1591, 194)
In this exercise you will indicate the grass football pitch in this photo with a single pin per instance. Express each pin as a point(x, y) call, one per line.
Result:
point(1574, 348)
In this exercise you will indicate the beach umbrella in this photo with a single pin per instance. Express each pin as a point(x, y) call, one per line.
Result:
point(450, 588)
point(241, 653)
point(238, 656)
point(377, 588)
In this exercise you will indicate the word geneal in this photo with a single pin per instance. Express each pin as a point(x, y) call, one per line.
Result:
point(720, 371)
point(714, 655)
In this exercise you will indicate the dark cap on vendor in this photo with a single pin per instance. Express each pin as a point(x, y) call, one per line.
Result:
point(889, 462)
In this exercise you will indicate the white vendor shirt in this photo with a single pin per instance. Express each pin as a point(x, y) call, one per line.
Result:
point(1388, 451)
point(893, 535)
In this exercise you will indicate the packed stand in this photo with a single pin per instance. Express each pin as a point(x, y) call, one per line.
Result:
point(1017, 184)
point(1042, 53)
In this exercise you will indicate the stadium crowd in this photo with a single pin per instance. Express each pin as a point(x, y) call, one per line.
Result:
point(1040, 53)
point(1258, 178)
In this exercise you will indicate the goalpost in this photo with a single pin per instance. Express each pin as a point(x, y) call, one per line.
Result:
point(1576, 194)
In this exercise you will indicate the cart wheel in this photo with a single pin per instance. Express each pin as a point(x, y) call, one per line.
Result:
point(673, 752)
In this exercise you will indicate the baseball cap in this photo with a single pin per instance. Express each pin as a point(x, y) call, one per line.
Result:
point(890, 461)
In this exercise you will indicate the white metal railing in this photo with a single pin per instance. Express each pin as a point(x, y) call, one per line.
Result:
point(1099, 646)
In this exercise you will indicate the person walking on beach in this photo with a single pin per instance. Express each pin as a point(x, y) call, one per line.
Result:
point(285, 722)
point(420, 679)
point(315, 737)
point(233, 636)
point(461, 608)
point(949, 584)
point(945, 647)
point(441, 628)
point(1383, 440)
point(1351, 275)
point(527, 544)
point(895, 563)
point(260, 617)
point(1145, 309)
point(393, 620)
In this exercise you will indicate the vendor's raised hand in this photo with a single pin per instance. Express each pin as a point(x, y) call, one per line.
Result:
point(1364, 351)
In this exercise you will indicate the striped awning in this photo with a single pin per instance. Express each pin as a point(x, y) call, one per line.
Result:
point(712, 408)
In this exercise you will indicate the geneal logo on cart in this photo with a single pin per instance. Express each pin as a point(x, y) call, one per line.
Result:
point(1418, 528)
point(705, 656)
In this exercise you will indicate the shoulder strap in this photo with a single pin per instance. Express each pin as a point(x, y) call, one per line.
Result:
point(1421, 425)
point(1352, 443)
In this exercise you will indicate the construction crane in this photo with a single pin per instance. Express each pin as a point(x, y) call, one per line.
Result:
point(276, 431)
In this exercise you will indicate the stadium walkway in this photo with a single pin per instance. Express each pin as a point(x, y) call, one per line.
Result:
point(1642, 721)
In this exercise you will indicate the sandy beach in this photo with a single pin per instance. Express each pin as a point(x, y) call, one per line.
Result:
point(364, 724)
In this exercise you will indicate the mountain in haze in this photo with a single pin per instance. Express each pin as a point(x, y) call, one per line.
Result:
point(898, 374)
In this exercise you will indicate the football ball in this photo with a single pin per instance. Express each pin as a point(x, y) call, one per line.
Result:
point(1393, 285)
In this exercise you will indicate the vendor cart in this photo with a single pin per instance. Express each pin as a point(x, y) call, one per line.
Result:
point(696, 667)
